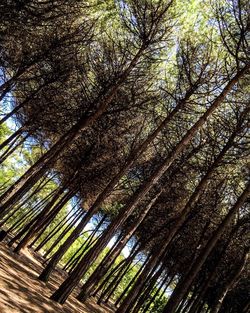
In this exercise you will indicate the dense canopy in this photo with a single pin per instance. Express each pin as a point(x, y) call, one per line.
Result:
point(132, 118)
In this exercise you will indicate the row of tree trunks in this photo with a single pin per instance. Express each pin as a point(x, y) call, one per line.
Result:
point(137, 152)
point(38, 222)
point(116, 274)
point(182, 216)
point(103, 267)
point(72, 281)
point(212, 275)
point(36, 171)
point(68, 221)
point(186, 282)
point(234, 277)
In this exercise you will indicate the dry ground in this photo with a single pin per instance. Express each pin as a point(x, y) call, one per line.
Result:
point(21, 291)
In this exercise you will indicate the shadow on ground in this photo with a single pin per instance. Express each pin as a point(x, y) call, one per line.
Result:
point(21, 291)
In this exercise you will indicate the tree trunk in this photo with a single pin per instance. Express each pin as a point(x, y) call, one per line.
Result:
point(21, 105)
point(122, 266)
point(148, 289)
point(145, 310)
point(13, 147)
point(149, 268)
point(34, 209)
point(12, 137)
point(67, 221)
point(122, 295)
point(107, 293)
point(38, 188)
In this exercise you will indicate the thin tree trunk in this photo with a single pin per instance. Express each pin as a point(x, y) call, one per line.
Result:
point(12, 149)
point(29, 214)
point(42, 224)
point(118, 268)
point(117, 272)
point(67, 220)
point(130, 284)
point(35, 208)
point(21, 105)
point(143, 296)
point(87, 243)
point(36, 190)
point(74, 259)
point(12, 137)
point(145, 310)
point(40, 217)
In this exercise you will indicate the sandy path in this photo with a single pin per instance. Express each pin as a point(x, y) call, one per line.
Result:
point(21, 291)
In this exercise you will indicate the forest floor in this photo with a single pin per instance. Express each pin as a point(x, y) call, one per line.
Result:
point(22, 292)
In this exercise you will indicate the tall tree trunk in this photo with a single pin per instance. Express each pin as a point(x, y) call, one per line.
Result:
point(186, 282)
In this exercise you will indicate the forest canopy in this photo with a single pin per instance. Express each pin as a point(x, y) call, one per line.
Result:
point(127, 121)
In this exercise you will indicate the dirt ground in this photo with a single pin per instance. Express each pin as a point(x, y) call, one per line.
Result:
point(21, 291)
